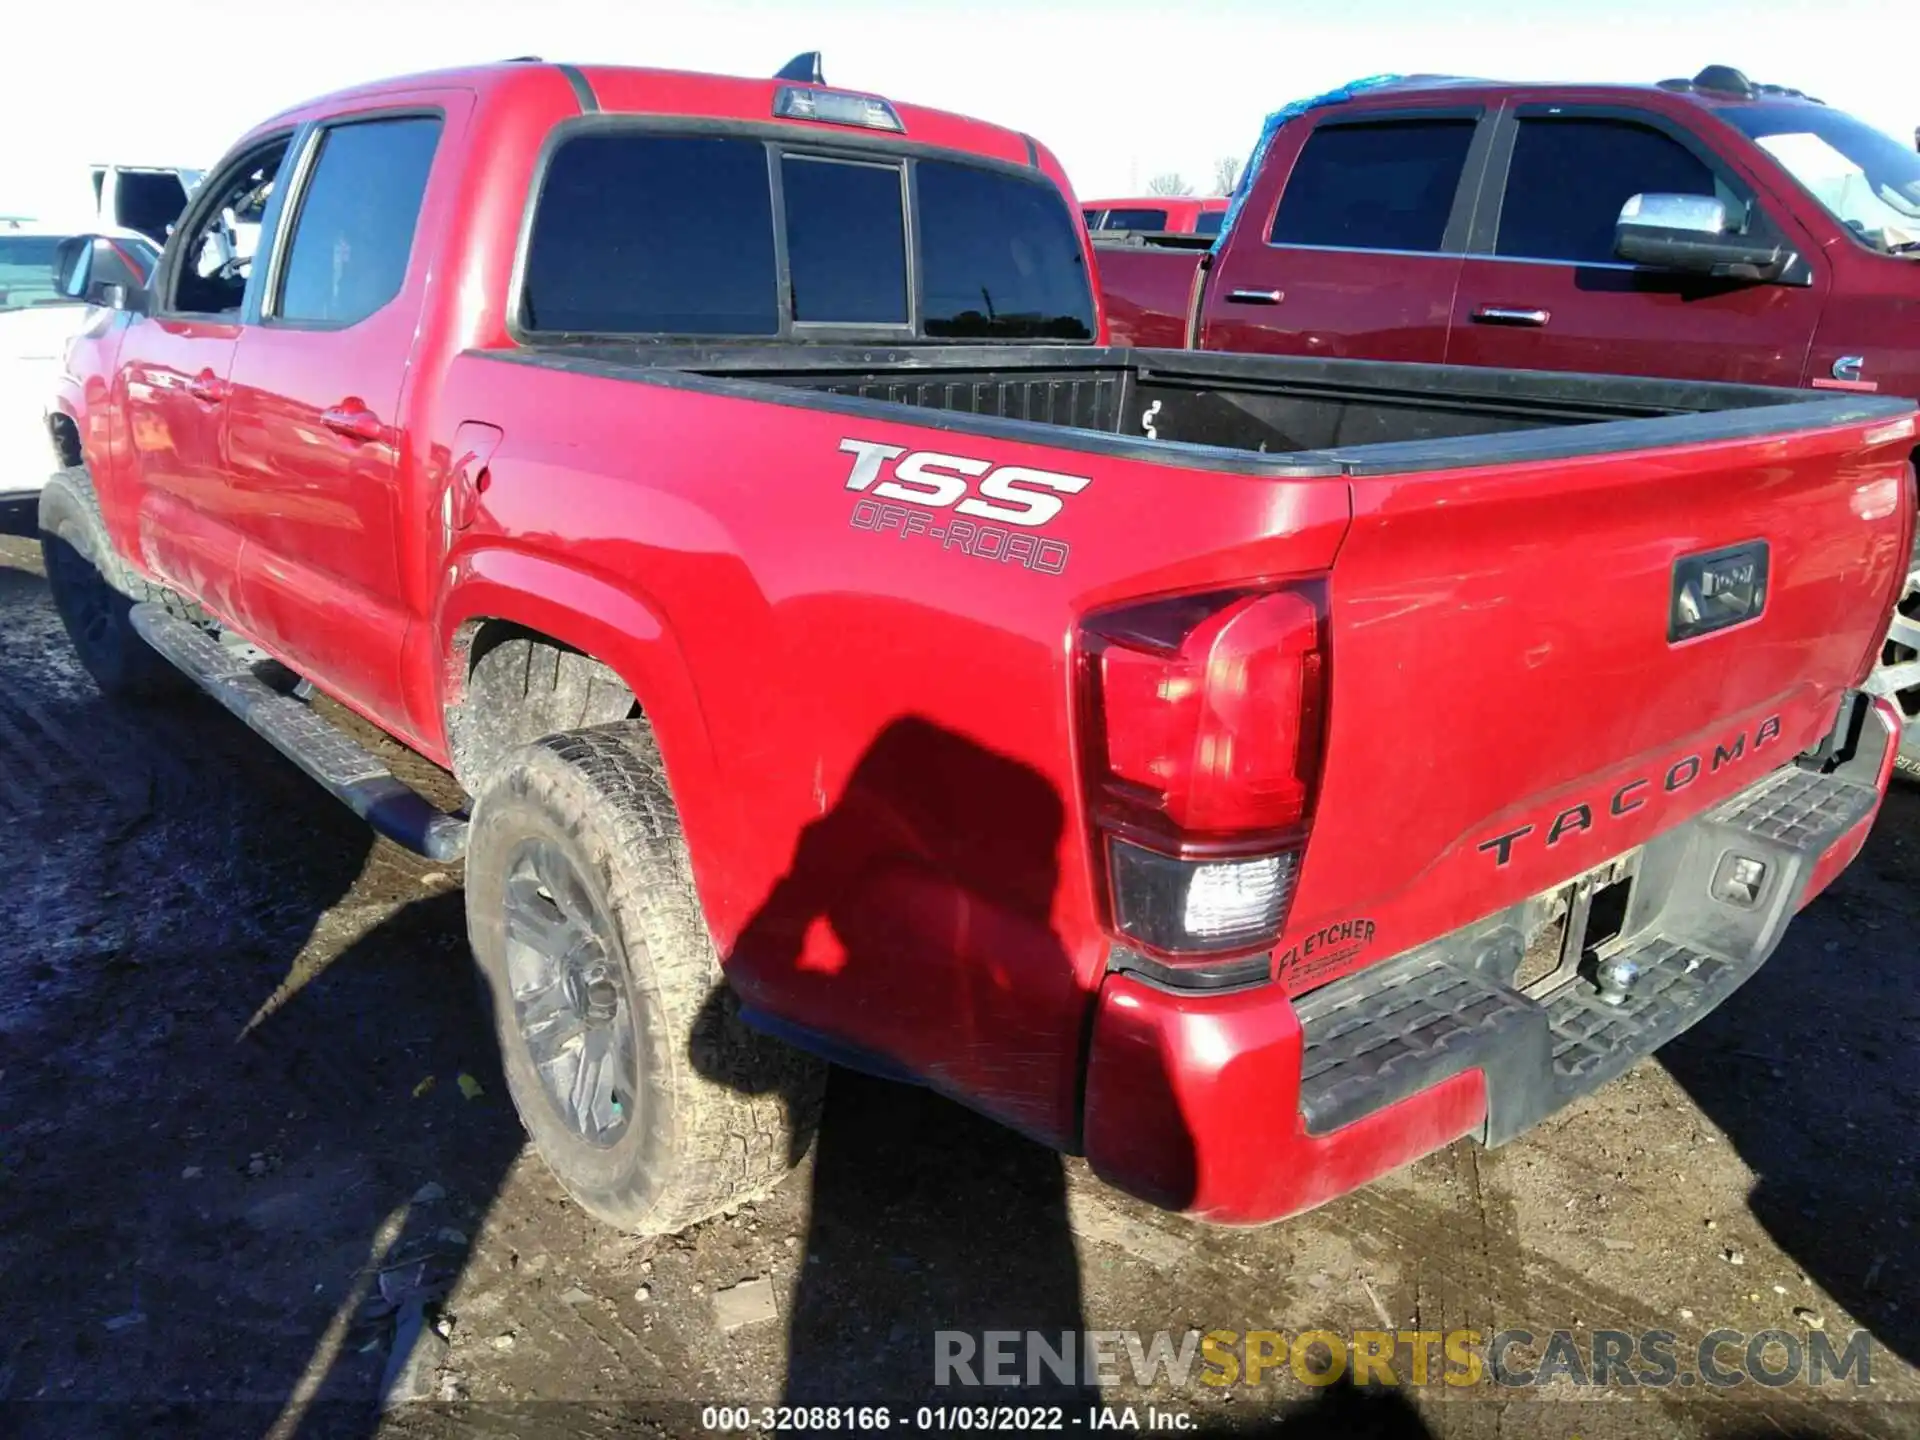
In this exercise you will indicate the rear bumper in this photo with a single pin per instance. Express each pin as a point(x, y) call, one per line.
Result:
point(1246, 1107)
point(20, 511)
point(26, 460)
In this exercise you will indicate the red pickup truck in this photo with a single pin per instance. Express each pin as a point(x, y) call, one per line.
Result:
point(1158, 215)
point(1703, 229)
point(1252, 773)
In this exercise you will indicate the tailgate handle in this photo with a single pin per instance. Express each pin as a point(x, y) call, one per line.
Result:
point(1256, 297)
point(1508, 315)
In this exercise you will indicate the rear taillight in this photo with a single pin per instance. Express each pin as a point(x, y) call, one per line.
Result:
point(1203, 723)
point(1177, 906)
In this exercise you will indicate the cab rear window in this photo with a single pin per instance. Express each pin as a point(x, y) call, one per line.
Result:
point(1136, 220)
point(669, 235)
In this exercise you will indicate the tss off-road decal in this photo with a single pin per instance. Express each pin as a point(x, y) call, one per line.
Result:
point(906, 492)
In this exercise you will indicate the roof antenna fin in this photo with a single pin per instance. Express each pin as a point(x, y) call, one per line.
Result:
point(803, 68)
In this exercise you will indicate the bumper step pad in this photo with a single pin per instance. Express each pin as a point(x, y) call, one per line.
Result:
point(1594, 1041)
point(1417, 1020)
point(1408, 1023)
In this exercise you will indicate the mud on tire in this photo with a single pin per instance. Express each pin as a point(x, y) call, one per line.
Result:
point(525, 687)
point(652, 1103)
point(94, 591)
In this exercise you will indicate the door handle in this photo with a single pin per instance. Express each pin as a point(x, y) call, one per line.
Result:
point(1256, 297)
point(1508, 315)
point(207, 387)
point(356, 422)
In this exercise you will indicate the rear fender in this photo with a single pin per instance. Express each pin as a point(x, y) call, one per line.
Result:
point(615, 626)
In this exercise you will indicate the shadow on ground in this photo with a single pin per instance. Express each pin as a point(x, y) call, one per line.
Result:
point(926, 1217)
point(1811, 1071)
point(219, 1008)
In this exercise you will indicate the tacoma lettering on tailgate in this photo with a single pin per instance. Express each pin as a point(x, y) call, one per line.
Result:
point(1576, 819)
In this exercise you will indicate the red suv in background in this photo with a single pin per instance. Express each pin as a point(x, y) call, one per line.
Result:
point(1703, 229)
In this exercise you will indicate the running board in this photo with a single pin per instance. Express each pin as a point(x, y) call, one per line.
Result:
point(354, 774)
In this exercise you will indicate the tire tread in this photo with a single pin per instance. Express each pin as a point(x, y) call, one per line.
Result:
point(739, 1099)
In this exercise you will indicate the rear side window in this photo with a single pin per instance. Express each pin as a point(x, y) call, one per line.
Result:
point(648, 234)
point(1136, 220)
point(1208, 222)
point(1569, 178)
point(846, 241)
point(639, 234)
point(353, 232)
point(999, 257)
point(1382, 186)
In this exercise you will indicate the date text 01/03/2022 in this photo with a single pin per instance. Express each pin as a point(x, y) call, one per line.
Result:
point(935, 1419)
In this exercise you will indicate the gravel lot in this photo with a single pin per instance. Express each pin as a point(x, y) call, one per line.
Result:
point(255, 1153)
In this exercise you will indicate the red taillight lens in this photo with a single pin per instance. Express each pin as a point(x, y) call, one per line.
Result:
point(1211, 713)
point(1203, 723)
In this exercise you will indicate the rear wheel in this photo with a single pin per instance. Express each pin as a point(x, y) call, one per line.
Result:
point(653, 1104)
point(95, 592)
point(1897, 676)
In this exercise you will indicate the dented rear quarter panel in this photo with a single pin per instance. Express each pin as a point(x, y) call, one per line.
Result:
point(886, 830)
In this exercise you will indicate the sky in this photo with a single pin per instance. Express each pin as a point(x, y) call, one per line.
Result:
point(1120, 91)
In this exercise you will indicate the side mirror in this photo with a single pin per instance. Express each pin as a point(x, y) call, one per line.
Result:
point(73, 266)
point(93, 269)
point(1691, 233)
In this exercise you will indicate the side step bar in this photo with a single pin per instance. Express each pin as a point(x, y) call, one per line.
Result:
point(353, 773)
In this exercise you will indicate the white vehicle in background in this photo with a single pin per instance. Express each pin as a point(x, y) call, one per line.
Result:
point(144, 198)
point(38, 315)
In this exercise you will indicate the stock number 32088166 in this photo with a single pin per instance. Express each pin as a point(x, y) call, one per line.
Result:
point(989, 1419)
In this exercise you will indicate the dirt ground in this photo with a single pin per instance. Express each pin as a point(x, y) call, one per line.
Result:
point(259, 1176)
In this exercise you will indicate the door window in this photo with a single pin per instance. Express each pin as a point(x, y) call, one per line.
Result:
point(216, 258)
point(1570, 176)
point(353, 232)
point(1384, 185)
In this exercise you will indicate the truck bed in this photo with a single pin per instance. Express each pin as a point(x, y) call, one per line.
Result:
point(1300, 416)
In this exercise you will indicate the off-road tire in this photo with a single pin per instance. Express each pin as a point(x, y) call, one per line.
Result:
point(721, 1113)
point(521, 689)
point(1897, 673)
point(95, 590)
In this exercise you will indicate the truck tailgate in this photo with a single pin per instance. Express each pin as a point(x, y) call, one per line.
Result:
point(1516, 698)
point(1148, 292)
